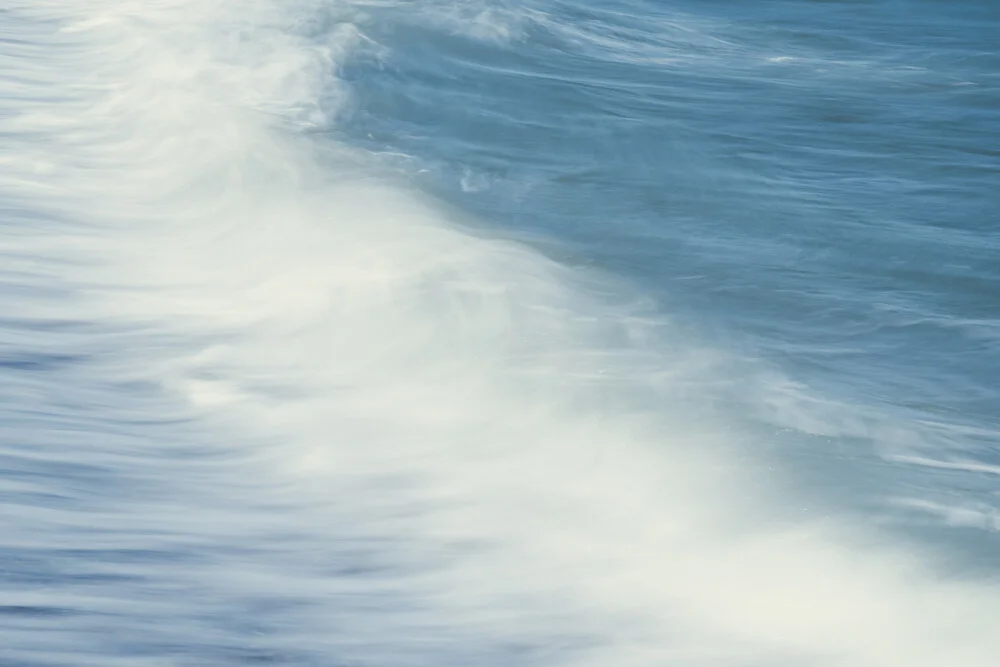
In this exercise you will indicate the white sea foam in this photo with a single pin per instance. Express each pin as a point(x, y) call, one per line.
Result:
point(345, 428)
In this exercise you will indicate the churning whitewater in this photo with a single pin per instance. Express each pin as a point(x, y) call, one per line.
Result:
point(265, 402)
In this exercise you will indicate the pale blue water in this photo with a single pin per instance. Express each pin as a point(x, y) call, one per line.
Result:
point(381, 333)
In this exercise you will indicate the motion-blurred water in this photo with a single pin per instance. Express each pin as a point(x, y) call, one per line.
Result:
point(477, 332)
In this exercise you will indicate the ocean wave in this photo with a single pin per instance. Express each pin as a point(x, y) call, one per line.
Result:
point(297, 412)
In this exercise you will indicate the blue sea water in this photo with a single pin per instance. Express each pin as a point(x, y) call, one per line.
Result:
point(812, 183)
point(471, 332)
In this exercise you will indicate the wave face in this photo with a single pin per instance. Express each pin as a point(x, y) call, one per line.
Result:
point(492, 333)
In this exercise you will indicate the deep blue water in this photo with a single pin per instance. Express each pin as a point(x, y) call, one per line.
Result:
point(813, 183)
point(476, 332)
